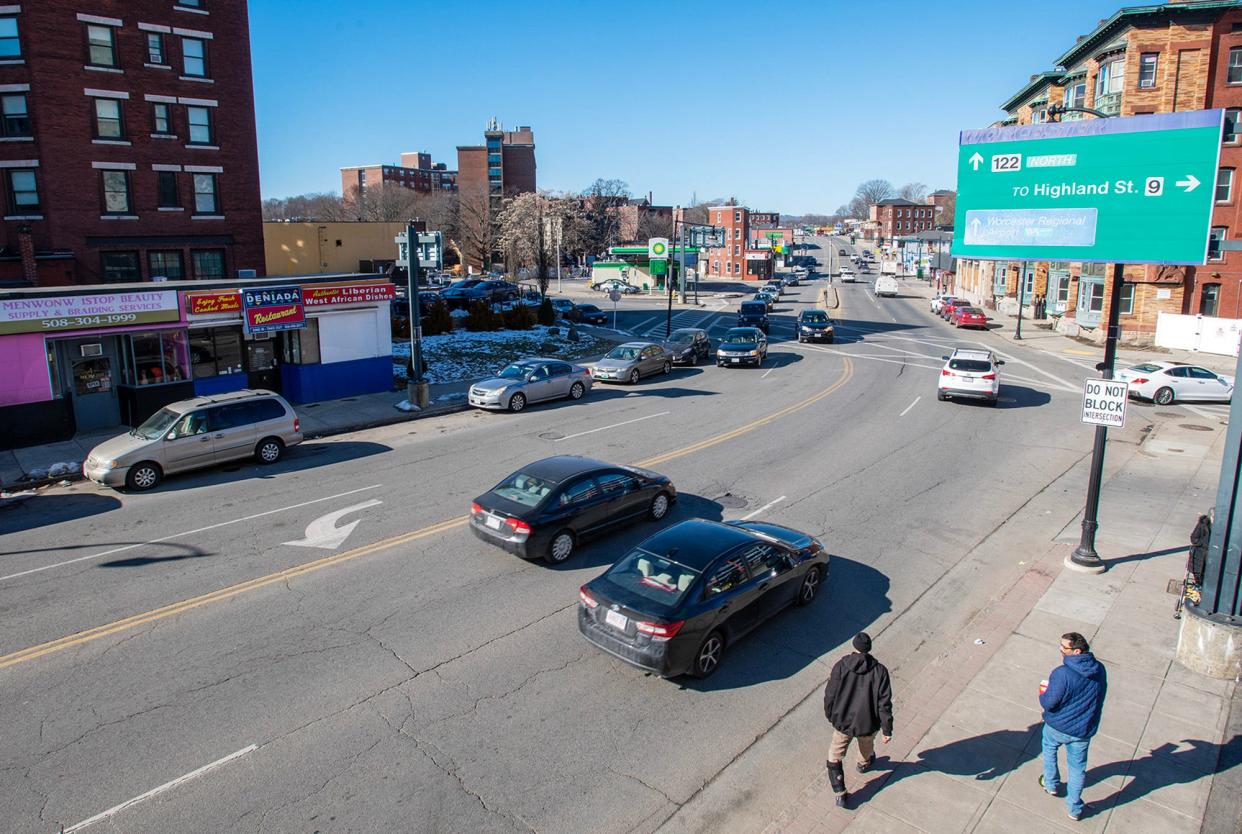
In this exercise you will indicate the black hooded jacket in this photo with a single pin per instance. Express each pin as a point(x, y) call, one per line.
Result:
point(858, 699)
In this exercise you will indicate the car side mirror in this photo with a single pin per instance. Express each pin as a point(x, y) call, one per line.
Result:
point(945, 358)
point(172, 435)
point(531, 378)
point(1000, 361)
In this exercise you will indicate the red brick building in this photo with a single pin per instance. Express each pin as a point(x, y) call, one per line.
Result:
point(739, 258)
point(898, 217)
point(416, 172)
point(503, 166)
point(129, 148)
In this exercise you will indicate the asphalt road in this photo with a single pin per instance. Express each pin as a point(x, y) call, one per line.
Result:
point(411, 678)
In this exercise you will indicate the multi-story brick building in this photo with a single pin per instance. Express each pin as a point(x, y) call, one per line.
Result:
point(739, 258)
point(897, 216)
point(1148, 59)
point(127, 142)
point(503, 166)
point(639, 220)
point(416, 172)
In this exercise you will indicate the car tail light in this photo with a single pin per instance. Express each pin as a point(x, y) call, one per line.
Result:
point(660, 631)
point(1138, 381)
point(946, 372)
point(989, 376)
point(297, 424)
point(518, 526)
point(586, 599)
point(475, 509)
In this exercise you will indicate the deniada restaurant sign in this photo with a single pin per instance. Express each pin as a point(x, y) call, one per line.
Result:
point(270, 309)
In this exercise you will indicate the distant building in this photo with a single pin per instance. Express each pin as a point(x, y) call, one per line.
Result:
point(294, 248)
point(738, 258)
point(765, 219)
point(640, 220)
point(416, 172)
point(503, 166)
point(897, 216)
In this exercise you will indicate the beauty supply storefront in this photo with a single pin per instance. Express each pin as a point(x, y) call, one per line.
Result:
point(309, 342)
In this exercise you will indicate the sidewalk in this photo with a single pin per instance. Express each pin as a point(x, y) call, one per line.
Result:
point(966, 752)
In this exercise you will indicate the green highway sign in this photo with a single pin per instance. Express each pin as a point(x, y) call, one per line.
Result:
point(1122, 190)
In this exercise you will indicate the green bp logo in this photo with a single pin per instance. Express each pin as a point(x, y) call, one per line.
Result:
point(658, 248)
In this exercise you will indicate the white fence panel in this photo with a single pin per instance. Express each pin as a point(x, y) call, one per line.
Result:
point(1205, 333)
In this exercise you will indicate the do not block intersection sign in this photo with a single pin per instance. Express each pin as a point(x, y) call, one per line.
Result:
point(1104, 402)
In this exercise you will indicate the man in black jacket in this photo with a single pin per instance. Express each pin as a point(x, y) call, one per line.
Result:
point(858, 702)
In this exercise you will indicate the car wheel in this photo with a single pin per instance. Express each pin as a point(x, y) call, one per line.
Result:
point(668, 367)
point(634, 376)
point(694, 358)
point(659, 506)
point(707, 658)
point(1164, 396)
point(942, 396)
point(143, 476)
point(992, 402)
point(560, 548)
point(576, 391)
point(810, 586)
point(517, 402)
point(830, 339)
point(269, 450)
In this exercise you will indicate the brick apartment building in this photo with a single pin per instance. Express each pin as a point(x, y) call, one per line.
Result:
point(639, 220)
point(1149, 59)
point(739, 258)
point(503, 166)
point(416, 172)
point(128, 142)
point(897, 216)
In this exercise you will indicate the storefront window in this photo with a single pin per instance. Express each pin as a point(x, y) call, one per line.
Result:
point(216, 351)
point(156, 358)
point(301, 347)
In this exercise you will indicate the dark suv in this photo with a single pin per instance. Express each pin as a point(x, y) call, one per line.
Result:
point(753, 314)
point(814, 325)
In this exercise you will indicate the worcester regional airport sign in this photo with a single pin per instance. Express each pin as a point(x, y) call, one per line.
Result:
point(1123, 190)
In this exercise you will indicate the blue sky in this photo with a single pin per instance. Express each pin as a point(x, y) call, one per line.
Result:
point(786, 106)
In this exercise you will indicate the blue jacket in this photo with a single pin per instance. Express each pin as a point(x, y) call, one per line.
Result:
point(1075, 696)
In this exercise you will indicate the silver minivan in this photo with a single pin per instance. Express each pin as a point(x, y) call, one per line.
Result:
point(194, 433)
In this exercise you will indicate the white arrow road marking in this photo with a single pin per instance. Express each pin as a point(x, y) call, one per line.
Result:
point(1190, 183)
point(323, 532)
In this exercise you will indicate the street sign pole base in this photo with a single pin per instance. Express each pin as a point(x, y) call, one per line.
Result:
point(1084, 559)
point(419, 393)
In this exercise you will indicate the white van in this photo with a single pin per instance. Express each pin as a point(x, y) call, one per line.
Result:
point(886, 285)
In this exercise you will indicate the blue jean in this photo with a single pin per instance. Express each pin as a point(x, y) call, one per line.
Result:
point(1075, 761)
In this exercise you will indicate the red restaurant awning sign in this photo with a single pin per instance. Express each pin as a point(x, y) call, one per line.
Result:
point(204, 303)
point(326, 295)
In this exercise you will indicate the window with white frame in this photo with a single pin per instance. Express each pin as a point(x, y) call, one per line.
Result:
point(1224, 185)
point(1127, 300)
point(109, 123)
point(1111, 78)
point(1215, 237)
point(1230, 133)
point(101, 46)
point(1075, 94)
point(1234, 72)
point(1148, 62)
point(205, 200)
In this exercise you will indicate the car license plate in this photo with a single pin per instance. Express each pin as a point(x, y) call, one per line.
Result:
point(617, 620)
point(735, 359)
point(493, 522)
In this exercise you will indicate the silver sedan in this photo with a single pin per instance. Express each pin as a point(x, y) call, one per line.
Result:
point(632, 361)
point(529, 381)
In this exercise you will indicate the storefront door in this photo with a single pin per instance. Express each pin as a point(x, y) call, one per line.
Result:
point(262, 365)
point(93, 372)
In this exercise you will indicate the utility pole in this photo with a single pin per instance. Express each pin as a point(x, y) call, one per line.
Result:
point(681, 253)
point(1017, 333)
point(417, 390)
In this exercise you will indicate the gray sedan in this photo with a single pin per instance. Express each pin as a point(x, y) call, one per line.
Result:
point(632, 361)
point(530, 381)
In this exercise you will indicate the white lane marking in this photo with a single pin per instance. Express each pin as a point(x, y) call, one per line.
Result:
point(323, 532)
point(186, 533)
point(908, 362)
point(194, 774)
point(768, 371)
point(613, 426)
point(910, 406)
point(764, 508)
point(1200, 411)
point(641, 328)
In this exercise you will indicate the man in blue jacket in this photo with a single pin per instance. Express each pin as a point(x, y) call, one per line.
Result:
point(1072, 705)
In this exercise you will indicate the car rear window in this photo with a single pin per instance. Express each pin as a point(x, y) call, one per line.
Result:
point(973, 366)
point(753, 307)
point(1146, 368)
point(974, 310)
point(524, 489)
point(656, 578)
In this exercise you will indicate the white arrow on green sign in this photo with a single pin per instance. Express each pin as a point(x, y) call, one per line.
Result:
point(1120, 190)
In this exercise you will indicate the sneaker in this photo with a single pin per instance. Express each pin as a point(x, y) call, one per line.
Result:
point(1078, 816)
point(1045, 787)
point(842, 799)
point(864, 766)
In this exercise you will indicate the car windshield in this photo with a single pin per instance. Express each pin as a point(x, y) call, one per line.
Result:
point(588, 308)
point(524, 489)
point(681, 337)
point(1147, 368)
point(973, 366)
point(815, 318)
point(656, 578)
point(741, 337)
point(157, 424)
point(517, 370)
point(623, 352)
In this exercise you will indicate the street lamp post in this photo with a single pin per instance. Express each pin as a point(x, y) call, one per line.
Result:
point(1017, 333)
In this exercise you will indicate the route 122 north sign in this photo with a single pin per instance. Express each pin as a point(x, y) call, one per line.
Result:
point(1124, 190)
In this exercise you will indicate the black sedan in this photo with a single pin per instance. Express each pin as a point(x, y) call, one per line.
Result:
point(675, 602)
point(545, 509)
point(588, 313)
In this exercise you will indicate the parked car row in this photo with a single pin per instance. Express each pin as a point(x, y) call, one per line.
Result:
point(672, 604)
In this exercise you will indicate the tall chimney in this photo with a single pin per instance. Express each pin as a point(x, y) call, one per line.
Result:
point(25, 243)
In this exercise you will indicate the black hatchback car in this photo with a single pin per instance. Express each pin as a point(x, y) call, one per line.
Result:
point(689, 345)
point(545, 509)
point(588, 313)
point(675, 602)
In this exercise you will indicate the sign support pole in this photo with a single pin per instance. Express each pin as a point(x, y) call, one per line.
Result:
point(1084, 558)
point(681, 257)
point(417, 391)
point(1017, 333)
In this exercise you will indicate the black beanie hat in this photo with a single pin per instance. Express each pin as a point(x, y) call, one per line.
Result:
point(862, 642)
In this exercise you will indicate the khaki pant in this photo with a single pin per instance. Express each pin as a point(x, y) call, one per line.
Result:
point(841, 743)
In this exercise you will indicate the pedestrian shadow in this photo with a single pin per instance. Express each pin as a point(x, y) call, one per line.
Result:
point(1166, 766)
point(983, 757)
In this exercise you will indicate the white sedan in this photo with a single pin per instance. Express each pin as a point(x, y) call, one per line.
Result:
point(1164, 382)
point(623, 287)
point(938, 301)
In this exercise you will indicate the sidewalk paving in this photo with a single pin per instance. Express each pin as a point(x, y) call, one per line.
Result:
point(966, 752)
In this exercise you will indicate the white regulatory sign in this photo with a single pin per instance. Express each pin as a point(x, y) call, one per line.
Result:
point(1104, 402)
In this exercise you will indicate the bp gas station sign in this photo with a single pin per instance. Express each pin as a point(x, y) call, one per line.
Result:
point(1121, 190)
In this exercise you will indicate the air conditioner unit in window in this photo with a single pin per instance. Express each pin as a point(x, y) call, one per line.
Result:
point(247, 273)
point(95, 349)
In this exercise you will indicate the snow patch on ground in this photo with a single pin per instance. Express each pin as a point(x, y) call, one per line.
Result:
point(461, 355)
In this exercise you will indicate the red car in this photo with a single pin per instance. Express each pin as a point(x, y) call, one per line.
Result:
point(946, 311)
point(969, 317)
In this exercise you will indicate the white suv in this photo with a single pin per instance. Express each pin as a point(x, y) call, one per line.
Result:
point(973, 374)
